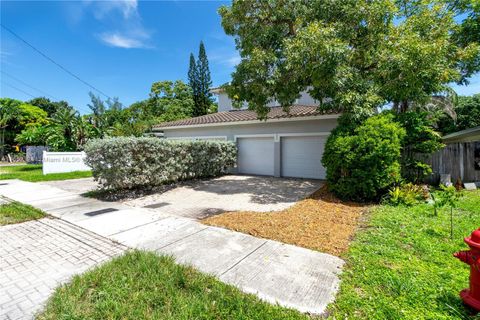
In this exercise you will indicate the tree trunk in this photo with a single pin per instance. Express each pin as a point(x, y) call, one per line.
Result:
point(2, 143)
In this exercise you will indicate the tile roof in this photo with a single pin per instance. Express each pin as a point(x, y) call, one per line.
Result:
point(243, 115)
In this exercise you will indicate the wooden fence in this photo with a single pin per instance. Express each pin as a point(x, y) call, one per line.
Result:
point(459, 159)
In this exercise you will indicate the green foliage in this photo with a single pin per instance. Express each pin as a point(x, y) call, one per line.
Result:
point(194, 83)
point(105, 114)
point(68, 131)
point(352, 56)
point(16, 212)
point(420, 141)
point(400, 265)
point(143, 285)
point(16, 116)
point(125, 163)
point(448, 196)
point(200, 81)
point(33, 136)
point(467, 112)
point(407, 194)
point(50, 107)
point(363, 164)
point(29, 115)
point(170, 101)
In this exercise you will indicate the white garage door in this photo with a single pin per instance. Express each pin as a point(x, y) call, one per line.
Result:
point(301, 157)
point(255, 156)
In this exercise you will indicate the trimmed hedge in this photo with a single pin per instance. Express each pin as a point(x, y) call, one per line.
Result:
point(125, 163)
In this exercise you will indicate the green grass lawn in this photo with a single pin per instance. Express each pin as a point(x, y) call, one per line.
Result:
point(33, 173)
point(400, 265)
point(141, 285)
point(16, 212)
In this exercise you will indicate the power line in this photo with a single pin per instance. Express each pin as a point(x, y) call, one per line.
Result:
point(26, 84)
point(54, 62)
point(22, 91)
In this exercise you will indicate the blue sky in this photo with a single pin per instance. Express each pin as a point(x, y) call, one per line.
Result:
point(120, 47)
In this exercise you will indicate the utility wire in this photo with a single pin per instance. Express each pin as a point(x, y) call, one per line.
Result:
point(24, 92)
point(26, 84)
point(53, 61)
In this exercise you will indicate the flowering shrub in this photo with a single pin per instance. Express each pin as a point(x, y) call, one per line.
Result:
point(125, 163)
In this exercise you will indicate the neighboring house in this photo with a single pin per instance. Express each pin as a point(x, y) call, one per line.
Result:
point(460, 158)
point(285, 145)
point(467, 135)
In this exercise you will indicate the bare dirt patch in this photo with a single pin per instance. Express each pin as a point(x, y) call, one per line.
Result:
point(321, 222)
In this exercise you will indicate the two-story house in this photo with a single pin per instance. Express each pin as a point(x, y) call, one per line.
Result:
point(285, 145)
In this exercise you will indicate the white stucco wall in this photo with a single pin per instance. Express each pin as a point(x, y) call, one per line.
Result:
point(260, 127)
point(225, 103)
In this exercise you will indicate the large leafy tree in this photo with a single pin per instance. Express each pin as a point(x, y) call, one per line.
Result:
point(50, 107)
point(351, 55)
point(171, 100)
point(15, 116)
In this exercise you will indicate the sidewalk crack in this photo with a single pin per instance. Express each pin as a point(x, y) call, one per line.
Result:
point(236, 264)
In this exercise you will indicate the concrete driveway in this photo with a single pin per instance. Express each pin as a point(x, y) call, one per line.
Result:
point(200, 199)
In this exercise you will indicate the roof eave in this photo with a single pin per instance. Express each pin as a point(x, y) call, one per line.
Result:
point(471, 134)
point(236, 123)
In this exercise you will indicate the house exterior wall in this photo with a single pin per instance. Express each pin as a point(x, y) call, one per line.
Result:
point(261, 127)
point(225, 103)
point(275, 129)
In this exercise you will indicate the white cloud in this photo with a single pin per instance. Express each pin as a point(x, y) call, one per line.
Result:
point(128, 8)
point(121, 41)
point(124, 24)
point(228, 59)
point(233, 61)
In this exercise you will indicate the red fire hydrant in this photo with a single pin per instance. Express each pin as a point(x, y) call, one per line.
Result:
point(471, 257)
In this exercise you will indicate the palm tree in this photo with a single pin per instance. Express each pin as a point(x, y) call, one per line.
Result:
point(60, 132)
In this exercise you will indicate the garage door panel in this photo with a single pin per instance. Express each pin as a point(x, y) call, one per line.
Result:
point(256, 156)
point(301, 157)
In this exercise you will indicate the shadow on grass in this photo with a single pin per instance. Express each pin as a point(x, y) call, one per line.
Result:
point(454, 306)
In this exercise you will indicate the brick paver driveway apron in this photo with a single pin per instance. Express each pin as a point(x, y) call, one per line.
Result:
point(37, 256)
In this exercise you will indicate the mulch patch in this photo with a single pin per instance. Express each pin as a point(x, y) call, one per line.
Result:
point(320, 222)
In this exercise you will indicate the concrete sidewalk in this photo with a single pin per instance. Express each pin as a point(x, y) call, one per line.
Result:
point(291, 276)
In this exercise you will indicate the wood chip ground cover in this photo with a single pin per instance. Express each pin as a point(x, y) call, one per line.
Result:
point(320, 222)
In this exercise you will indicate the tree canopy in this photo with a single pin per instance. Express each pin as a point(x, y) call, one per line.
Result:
point(50, 107)
point(15, 116)
point(350, 55)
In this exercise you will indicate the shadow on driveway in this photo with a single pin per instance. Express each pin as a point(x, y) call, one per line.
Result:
point(262, 189)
